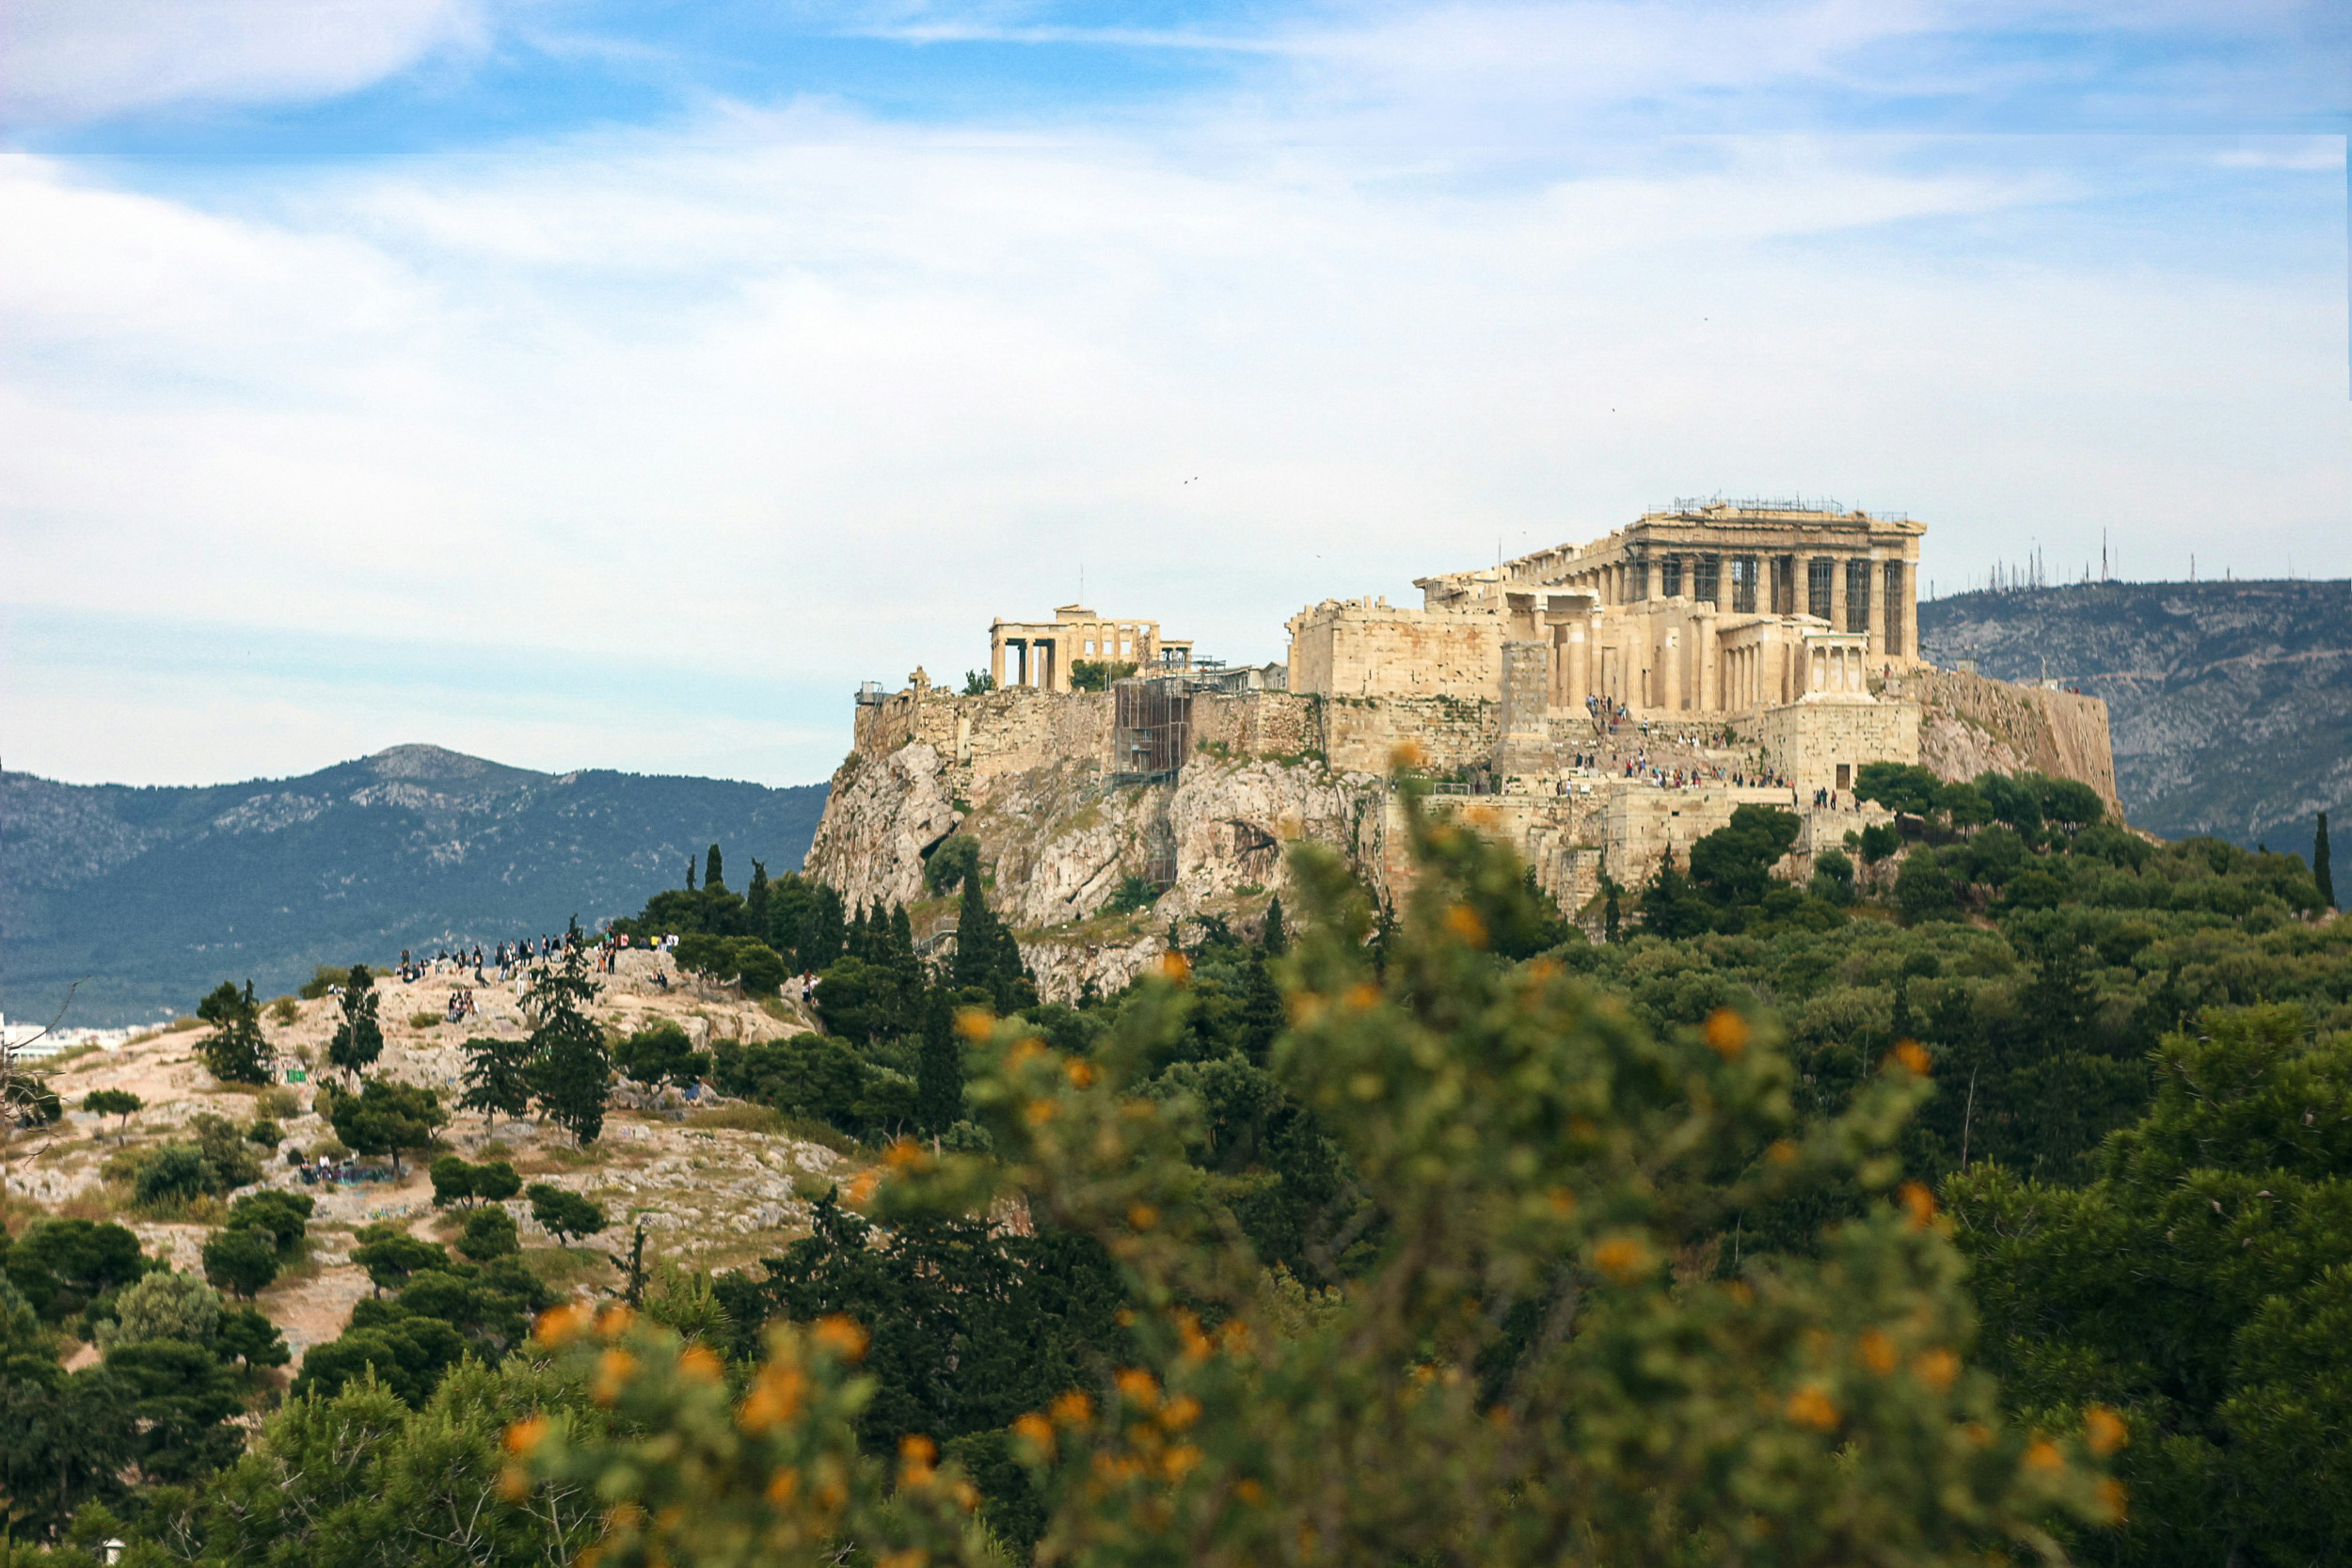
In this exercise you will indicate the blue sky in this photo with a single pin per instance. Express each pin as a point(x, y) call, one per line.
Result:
point(615, 384)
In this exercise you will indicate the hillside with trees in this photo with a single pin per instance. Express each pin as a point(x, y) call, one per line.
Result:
point(148, 896)
point(1982, 1195)
point(2230, 702)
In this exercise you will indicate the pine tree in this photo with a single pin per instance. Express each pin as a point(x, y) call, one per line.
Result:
point(236, 1053)
point(2320, 870)
point(497, 1078)
point(570, 1069)
point(689, 873)
point(358, 1039)
point(713, 877)
point(939, 1067)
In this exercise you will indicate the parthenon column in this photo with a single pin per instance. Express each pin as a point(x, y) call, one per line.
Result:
point(997, 661)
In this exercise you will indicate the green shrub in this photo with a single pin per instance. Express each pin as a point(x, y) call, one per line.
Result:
point(489, 1234)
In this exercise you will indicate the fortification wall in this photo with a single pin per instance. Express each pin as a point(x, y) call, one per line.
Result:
point(1809, 743)
point(1258, 723)
point(1001, 732)
point(1361, 649)
point(1972, 723)
point(1360, 734)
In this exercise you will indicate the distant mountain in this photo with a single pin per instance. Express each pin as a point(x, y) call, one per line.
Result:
point(2231, 702)
point(158, 894)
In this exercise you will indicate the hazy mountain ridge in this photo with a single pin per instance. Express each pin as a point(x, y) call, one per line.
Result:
point(158, 894)
point(2231, 702)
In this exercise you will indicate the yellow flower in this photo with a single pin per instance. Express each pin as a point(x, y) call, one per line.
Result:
point(841, 1336)
point(1073, 1408)
point(1036, 1429)
point(2114, 1500)
point(903, 1153)
point(1175, 968)
point(1142, 1215)
point(1912, 1055)
point(1877, 1351)
point(774, 1399)
point(2104, 1431)
point(1726, 1033)
point(613, 1321)
point(1919, 1203)
point(1140, 1385)
point(1081, 1074)
point(696, 1364)
point(2042, 1455)
point(1939, 1369)
point(560, 1326)
point(615, 1368)
point(1623, 1259)
point(1249, 1491)
point(1809, 1406)
point(1408, 757)
point(1781, 1152)
point(1180, 1413)
point(524, 1437)
point(784, 1485)
point(974, 1023)
point(1463, 922)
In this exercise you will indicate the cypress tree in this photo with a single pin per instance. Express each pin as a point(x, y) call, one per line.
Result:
point(712, 876)
point(689, 873)
point(2319, 865)
point(976, 940)
point(1276, 940)
point(755, 901)
point(821, 930)
point(939, 1067)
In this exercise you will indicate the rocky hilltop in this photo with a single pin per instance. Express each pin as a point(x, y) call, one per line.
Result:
point(157, 895)
point(2230, 702)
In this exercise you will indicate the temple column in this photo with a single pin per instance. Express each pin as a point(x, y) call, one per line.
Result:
point(1838, 593)
point(997, 661)
point(1669, 667)
point(1709, 696)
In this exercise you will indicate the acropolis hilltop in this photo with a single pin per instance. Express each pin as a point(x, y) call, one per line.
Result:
point(1608, 704)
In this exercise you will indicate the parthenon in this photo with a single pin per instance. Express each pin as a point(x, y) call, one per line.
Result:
point(1718, 607)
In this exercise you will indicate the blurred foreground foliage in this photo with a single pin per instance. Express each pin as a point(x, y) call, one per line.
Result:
point(1539, 1362)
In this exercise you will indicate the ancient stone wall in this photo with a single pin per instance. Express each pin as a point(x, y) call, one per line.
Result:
point(1362, 732)
point(1258, 723)
point(1002, 732)
point(1360, 648)
point(1823, 745)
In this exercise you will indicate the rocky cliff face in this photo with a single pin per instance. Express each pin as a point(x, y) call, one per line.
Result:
point(1060, 840)
point(2231, 702)
point(1969, 724)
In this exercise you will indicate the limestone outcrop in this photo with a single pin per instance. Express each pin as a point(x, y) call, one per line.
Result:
point(1970, 724)
point(883, 815)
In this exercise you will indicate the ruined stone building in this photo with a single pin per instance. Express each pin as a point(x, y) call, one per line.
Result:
point(1040, 654)
point(1753, 653)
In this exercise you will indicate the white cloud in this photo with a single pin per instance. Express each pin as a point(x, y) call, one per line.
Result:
point(798, 395)
point(71, 60)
